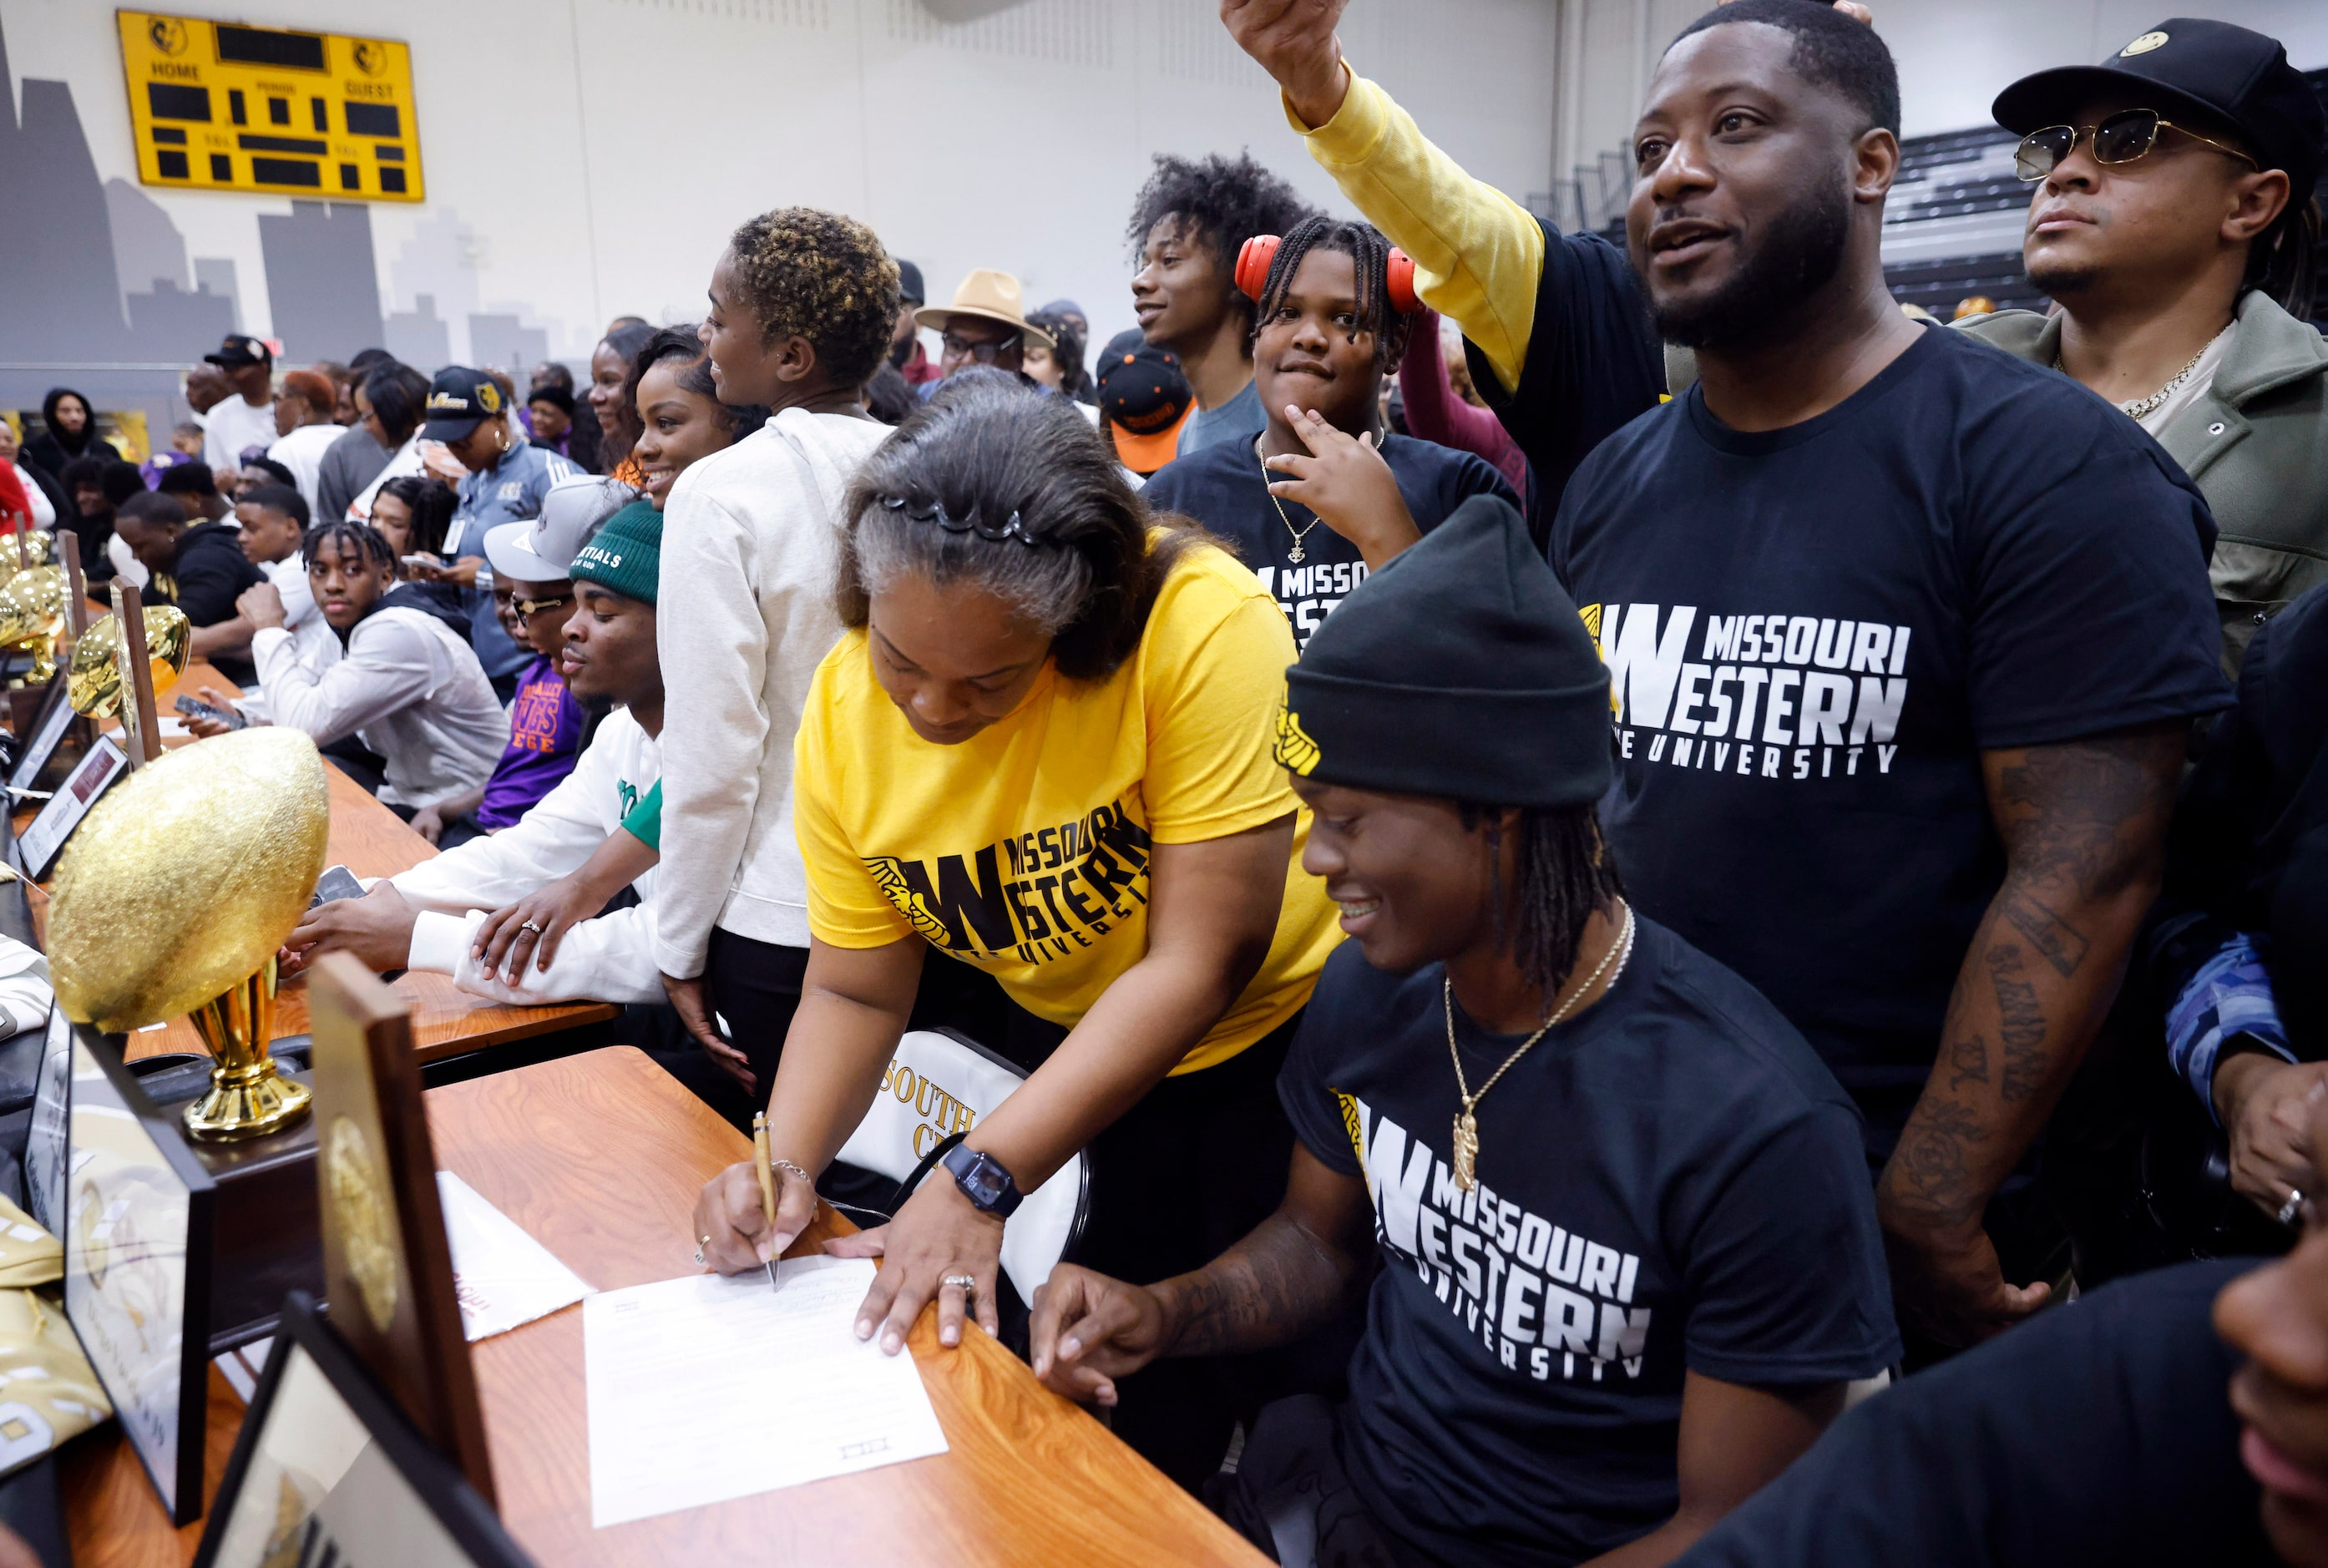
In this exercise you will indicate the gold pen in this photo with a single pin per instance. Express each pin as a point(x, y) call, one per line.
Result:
point(761, 1159)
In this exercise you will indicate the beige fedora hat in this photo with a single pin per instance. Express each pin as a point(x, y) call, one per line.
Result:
point(989, 296)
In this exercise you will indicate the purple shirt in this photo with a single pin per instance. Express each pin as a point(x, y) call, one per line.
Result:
point(545, 739)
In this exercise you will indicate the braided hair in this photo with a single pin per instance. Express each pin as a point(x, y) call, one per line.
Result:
point(1565, 873)
point(341, 535)
point(1369, 253)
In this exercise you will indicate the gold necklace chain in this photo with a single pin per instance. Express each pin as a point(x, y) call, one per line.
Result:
point(1297, 554)
point(1466, 1128)
point(2142, 408)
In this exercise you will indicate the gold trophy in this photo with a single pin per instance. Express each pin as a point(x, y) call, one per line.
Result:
point(33, 616)
point(175, 896)
point(93, 679)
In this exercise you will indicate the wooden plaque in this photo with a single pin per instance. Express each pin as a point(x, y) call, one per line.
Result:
point(66, 545)
point(388, 1270)
point(140, 725)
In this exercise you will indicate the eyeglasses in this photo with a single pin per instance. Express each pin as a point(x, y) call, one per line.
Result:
point(983, 352)
point(2121, 138)
point(527, 608)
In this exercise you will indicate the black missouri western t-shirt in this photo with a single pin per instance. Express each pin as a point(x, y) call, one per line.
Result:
point(1669, 1181)
point(1223, 487)
point(1813, 632)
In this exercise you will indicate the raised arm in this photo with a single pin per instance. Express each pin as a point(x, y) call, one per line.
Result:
point(2084, 825)
point(1478, 254)
point(1290, 1274)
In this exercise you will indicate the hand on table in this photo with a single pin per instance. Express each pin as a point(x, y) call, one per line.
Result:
point(731, 1227)
point(686, 1000)
point(262, 606)
point(937, 1234)
point(1948, 1283)
point(1345, 481)
point(2266, 1107)
point(1087, 1330)
point(204, 728)
point(377, 928)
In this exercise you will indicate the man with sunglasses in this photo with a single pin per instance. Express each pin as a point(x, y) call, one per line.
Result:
point(986, 325)
point(2173, 218)
point(1905, 635)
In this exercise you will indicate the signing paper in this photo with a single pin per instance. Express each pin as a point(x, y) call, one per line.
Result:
point(708, 1388)
point(501, 1276)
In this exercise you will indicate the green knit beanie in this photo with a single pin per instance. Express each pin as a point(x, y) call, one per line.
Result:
point(625, 555)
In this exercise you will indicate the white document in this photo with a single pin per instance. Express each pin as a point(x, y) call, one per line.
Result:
point(500, 1274)
point(712, 1387)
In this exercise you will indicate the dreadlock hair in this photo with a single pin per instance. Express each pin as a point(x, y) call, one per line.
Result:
point(1566, 874)
point(343, 534)
point(2285, 259)
point(683, 343)
point(1369, 253)
point(1219, 203)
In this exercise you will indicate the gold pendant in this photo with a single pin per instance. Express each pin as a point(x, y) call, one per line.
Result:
point(1295, 555)
point(1467, 1152)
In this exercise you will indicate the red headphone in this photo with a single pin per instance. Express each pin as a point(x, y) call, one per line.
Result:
point(1256, 255)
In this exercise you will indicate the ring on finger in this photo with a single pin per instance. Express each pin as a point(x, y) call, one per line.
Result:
point(529, 925)
point(966, 1283)
point(2292, 1207)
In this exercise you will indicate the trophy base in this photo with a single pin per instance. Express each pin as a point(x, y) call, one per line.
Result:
point(230, 1111)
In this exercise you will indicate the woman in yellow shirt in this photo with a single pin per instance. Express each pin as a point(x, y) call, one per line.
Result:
point(1042, 747)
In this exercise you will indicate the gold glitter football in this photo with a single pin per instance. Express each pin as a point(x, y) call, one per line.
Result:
point(187, 876)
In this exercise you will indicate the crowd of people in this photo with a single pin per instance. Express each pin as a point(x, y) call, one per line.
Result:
point(1679, 917)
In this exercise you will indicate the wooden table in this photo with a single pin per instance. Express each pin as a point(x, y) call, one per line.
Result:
point(369, 841)
point(600, 1156)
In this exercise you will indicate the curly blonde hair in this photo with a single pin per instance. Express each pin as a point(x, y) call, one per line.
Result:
point(818, 275)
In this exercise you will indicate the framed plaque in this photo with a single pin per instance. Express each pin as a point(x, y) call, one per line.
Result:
point(41, 735)
point(44, 1141)
point(329, 1471)
point(388, 1269)
point(137, 1248)
point(45, 840)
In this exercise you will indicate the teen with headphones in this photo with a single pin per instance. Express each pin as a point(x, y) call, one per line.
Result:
point(1324, 494)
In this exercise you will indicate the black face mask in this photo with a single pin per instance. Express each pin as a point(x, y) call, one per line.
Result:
point(1799, 254)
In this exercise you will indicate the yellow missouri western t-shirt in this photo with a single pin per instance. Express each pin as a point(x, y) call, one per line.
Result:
point(1024, 850)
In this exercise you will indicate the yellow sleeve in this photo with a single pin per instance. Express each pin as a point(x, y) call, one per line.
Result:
point(1478, 254)
point(1214, 685)
point(846, 906)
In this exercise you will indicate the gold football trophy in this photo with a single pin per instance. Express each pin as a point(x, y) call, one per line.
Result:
point(33, 616)
point(93, 679)
point(175, 894)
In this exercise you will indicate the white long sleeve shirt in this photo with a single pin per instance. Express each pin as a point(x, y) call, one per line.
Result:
point(610, 958)
point(318, 644)
point(751, 537)
point(408, 688)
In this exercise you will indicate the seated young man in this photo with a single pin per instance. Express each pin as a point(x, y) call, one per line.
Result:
point(1327, 336)
point(1629, 1260)
point(273, 519)
point(197, 564)
point(408, 687)
point(434, 916)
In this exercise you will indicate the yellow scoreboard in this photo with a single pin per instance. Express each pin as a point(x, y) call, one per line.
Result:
point(216, 106)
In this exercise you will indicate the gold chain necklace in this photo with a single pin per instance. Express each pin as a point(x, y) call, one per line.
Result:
point(1466, 1128)
point(1297, 554)
point(2142, 408)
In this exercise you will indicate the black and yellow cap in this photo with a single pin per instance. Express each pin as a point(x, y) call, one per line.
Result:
point(459, 400)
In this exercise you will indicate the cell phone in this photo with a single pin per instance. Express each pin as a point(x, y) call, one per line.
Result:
point(420, 561)
point(194, 708)
point(336, 883)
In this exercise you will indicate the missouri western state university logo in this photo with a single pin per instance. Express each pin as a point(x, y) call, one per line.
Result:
point(1294, 748)
point(1031, 897)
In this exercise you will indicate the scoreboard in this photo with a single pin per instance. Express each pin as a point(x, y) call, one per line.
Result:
point(216, 106)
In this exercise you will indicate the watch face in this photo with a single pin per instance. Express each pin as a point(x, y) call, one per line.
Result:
point(984, 1180)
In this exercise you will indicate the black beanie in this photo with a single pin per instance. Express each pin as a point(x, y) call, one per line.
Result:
point(1461, 670)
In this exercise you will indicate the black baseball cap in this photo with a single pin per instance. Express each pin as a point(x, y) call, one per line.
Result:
point(2214, 70)
point(909, 284)
point(459, 400)
point(551, 393)
point(238, 351)
point(1143, 395)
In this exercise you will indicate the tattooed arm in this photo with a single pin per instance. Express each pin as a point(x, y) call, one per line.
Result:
point(1289, 1275)
point(2084, 826)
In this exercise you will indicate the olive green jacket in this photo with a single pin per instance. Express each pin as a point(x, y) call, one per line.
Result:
point(2256, 443)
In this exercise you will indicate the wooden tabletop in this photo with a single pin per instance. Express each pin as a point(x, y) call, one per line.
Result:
point(601, 1156)
point(369, 841)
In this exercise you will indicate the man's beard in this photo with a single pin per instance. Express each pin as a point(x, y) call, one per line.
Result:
point(899, 352)
point(1800, 253)
point(2055, 279)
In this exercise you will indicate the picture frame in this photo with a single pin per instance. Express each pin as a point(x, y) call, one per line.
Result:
point(139, 1212)
point(327, 1469)
point(50, 724)
point(44, 1139)
point(44, 838)
point(388, 1268)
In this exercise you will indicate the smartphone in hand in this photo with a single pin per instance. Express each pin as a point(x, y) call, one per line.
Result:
point(194, 708)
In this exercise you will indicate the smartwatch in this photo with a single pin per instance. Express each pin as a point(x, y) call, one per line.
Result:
point(983, 1179)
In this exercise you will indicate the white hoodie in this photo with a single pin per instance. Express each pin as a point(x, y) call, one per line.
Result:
point(609, 958)
point(408, 688)
point(751, 537)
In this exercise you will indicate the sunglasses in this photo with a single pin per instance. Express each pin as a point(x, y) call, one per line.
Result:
point(527, 608)
point(2121, 138)
point(981, 354)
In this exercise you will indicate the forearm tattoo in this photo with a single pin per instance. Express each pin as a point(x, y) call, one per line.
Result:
point(1272, 1287)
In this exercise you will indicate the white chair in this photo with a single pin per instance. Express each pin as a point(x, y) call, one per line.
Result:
point(939, 1086)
